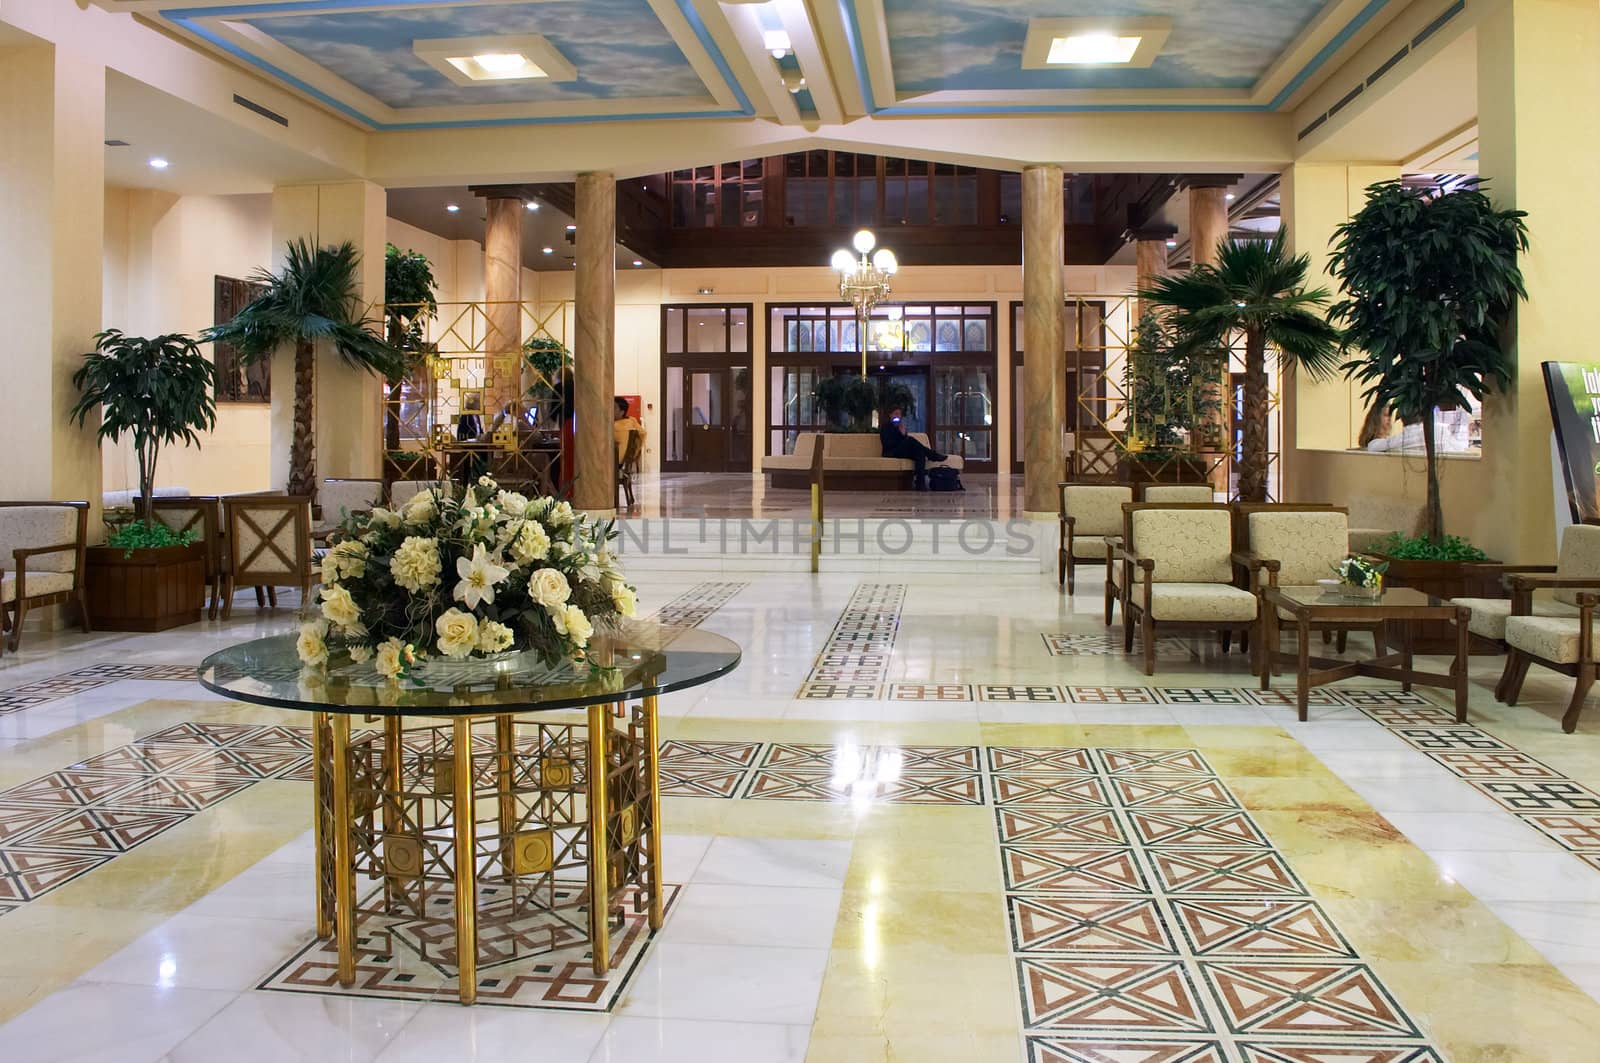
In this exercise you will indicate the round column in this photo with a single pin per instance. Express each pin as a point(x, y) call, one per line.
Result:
point(1043, 254)
point(595, 291)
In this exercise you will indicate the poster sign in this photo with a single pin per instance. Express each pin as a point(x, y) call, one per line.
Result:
point(1574, 392)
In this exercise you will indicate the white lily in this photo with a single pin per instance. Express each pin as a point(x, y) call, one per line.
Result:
point(479, 574)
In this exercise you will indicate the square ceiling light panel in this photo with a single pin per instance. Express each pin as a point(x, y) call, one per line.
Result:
point(1057, 43)
point(488, 60)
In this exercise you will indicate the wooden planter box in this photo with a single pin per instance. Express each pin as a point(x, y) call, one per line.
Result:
point(1174, 470)
point(152, 590)
point(1446, 579)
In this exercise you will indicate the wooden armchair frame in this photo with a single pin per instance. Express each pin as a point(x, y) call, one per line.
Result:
point(267, 516)
point(1584, 671)
point(628, 464)
point(203, 515)
point(13, 613)
point(1136, 608)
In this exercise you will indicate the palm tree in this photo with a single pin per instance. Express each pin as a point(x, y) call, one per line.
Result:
point(314, 298)
point(1257, 289)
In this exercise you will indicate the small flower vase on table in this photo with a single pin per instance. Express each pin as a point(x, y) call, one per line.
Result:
point(1360, 577)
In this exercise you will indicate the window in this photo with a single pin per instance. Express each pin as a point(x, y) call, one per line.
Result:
point(726, 196)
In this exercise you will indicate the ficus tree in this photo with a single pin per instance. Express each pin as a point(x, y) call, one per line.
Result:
point(1430, 278)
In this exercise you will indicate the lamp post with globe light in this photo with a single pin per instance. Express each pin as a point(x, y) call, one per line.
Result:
point(864, 281)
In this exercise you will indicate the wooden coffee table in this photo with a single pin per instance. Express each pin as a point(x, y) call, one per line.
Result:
point(1400, 606)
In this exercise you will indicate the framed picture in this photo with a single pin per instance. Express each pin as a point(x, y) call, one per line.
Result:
point(472, 401)
point(236, 381)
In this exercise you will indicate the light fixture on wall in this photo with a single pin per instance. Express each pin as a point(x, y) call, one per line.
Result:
point(572, 228)
point(638, 262)
point(864, 281)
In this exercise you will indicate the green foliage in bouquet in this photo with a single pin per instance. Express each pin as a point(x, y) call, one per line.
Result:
point(1360, 572)
point(467, 574)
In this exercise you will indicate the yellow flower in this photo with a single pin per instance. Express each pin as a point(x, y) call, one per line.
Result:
point(479, 573)
point(531, 543)
point(560, 514)
point(549, 588)
point(494, 637)
point(458, 633)
point(339, 609)
point(345, 560)
point(310, 646)
point(390, 658)
point(622, 597)
point(360, 654)
point(415, 564)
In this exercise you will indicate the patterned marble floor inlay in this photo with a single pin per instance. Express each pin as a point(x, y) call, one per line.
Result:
point(389, 966)
point(854, 662)
point(1152, 920)
point(695, 605)
point(1562, 809)
point(61, 825)
point(81, 680)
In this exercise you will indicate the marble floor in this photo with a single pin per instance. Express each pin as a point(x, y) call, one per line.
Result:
point(930, 817)
point(694, 494)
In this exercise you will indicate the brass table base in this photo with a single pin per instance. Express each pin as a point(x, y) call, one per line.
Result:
point(433, 813)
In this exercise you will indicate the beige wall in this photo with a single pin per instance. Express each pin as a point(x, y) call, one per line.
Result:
point(161, 255)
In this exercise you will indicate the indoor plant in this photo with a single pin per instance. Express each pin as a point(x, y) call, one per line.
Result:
point(1255, 291)
point(1168, 405)
point(158, 391)
point(410, 301)
point(313, 298)
point(1429, 278)
point(466, 574)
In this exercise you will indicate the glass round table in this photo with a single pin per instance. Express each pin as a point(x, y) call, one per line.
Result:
point(465, 826)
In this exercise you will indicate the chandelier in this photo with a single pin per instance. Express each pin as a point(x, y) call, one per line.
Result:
point(864, 281)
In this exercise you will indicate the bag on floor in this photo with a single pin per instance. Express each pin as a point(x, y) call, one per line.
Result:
point(944, 478)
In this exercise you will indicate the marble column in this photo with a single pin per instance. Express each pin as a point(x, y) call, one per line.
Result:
point(502, 294)
point(1150, 259)
point(593, 358)
point(1539, 134)
point(348, 403)
point(1043, 257)
point(52, 229)
point(1208, 220)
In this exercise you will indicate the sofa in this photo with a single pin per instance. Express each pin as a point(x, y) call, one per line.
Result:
point(851, 461)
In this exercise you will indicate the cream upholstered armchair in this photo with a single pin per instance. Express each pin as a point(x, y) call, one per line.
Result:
point(1177, 574)
point(1177, 493)
point(1579, 561)
point(344, 498)
point(41, 560)
point(269, 545)
point(1558, 634)
point(1089, 513)
point(1295, 547)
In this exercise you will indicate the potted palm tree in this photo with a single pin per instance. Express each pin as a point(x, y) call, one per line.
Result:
point(314, 298)
point(159, 391)
point(1257, 291)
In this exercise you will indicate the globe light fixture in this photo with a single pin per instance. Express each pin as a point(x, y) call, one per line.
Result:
point(864, 281)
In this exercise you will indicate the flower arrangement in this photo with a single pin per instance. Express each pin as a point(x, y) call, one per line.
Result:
point(1360, 573)
point(466, 574)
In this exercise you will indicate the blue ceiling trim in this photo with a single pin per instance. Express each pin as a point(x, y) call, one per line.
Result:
point(858, 55)
point(1339, 40)
point(187, 18)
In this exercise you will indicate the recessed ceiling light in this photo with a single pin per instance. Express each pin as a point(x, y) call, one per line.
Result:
point(531, 205)
point(158, 163)
point(548, 250)
point(572, 228)
point(1228, 196)
point(1172, 243)
point(777, 42)
point(451, 207)
point(496, 66)
point(638, 262)
point(1092, 49)
point(475, 60)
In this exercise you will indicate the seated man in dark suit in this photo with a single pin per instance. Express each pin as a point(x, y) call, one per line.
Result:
point(897, 444)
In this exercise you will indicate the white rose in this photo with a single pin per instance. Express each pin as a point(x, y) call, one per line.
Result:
point(415, 564)
point(339, 609)
point(419, 508)
point(458, 633)
point(494, 637)
point(512, 502)
point(310, 646)
point(390, 657)
point(576, 626)
point(549, 588)
point(531, 543)
point(623, 598)
point(561, 514)
point(383, 518)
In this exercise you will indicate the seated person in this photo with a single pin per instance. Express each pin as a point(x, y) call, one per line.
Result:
point(897, 444)
point(622, 423)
